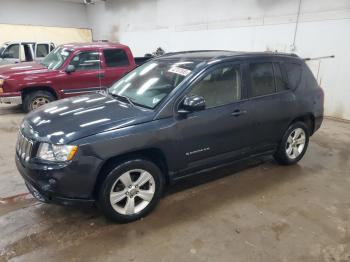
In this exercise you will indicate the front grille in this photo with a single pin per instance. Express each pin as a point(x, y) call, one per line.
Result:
point(24, 147)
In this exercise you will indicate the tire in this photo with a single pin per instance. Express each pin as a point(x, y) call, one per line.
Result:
point(34, 100)
point(129, 196)
point(293, 144)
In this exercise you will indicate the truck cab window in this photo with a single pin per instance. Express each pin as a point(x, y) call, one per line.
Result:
point(115, 58)
point(12, 52)
point(88, 60)
point(42, 50)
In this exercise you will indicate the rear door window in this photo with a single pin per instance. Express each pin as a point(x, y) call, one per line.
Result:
point(280, 81)
point(42, 50)
point(293, 73)
point(262, 79)
point(115, 58)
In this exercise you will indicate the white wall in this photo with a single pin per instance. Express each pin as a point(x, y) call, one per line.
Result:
point(252, 25)
point(43, 13)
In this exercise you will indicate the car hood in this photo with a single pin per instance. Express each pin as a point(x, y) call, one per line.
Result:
point(22, 68)
point(66, 120)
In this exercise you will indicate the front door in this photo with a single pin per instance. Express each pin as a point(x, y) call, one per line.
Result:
point(87, 76)
point(223, 130)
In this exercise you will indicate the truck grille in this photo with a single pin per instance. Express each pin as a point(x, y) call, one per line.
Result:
point(24, 147)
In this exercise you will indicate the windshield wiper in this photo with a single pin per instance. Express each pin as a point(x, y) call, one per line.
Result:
point(123, 98)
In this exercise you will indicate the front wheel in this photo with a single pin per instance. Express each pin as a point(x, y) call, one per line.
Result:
point(34, 100)
point(131, 190)
point(293, 144)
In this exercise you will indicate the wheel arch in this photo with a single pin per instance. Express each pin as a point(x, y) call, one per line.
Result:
point(26, 90)
point(308, 119)
point(154, 155)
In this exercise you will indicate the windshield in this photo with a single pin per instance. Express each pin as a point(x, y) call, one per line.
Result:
point(1, 50)
point(56, 58)
point(150, 83)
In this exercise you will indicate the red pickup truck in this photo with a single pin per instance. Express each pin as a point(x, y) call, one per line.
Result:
point(69, 70)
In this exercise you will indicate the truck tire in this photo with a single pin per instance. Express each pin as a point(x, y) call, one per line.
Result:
point(293, 144)
point(34, 100)
point(131, 190)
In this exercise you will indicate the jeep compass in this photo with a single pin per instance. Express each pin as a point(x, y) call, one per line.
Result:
point(175, 116)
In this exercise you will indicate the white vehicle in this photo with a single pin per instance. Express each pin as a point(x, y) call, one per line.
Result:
point(17, 52)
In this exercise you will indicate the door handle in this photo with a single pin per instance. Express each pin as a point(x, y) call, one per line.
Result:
point(100, 75)
point(238, 112)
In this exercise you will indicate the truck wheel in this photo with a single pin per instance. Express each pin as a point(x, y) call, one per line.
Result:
point(293, 144)
point(34, 100)
point(131, 190)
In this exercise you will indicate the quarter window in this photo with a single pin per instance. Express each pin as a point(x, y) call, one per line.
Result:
point(115, 58)
point(220, 87)
point(89, 60)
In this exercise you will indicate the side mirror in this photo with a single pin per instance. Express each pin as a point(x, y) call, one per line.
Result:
point(70, 69)
point(192, 104)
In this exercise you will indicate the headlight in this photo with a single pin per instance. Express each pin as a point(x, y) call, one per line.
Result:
point(1, 81)
point(57, 153)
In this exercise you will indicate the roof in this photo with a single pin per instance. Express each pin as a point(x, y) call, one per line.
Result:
point(90, 45)
point(211, 55)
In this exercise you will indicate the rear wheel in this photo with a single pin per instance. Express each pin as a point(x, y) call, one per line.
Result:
point(34, 100)
point(131, 190)
point(293, 144)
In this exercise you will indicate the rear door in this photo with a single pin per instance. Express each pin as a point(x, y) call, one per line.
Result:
point(274, 103)
point(86, 77)
point(116, 63)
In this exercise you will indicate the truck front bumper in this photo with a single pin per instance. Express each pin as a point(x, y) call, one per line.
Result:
point(16, 100)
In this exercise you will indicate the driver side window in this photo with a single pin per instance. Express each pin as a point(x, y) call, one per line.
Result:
point(88, 60)
point(220, 87)
point(12, 52)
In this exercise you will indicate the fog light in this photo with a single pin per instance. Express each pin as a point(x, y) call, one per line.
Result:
point(1, 90)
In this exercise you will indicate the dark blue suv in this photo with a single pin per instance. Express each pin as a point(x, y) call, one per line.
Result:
point(175, 116)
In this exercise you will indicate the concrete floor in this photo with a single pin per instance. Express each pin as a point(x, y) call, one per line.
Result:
point(254, 211)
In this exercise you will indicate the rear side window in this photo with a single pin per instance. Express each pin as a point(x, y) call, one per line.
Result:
point(115, 58)
point(42, 50)
point(262, 79)
point(294, 74)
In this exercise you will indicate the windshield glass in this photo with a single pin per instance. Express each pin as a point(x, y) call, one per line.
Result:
point(150, 83)
point(1, 50)
point(56, 58)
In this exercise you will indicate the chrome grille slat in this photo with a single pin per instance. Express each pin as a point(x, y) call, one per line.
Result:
point(24, 147)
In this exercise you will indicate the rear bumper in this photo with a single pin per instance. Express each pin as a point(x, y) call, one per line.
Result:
point(318, 123)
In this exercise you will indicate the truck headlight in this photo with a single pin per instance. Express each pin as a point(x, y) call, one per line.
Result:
point(56, 153)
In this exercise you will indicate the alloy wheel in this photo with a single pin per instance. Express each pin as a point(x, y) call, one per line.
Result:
point(132, 192)
point(295, 143)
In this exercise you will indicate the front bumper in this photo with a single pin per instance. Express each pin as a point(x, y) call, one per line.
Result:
point(45, 186)
point(15, 100)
